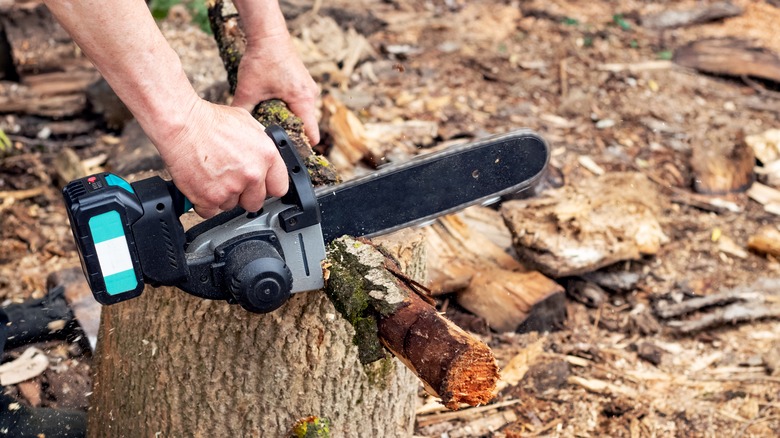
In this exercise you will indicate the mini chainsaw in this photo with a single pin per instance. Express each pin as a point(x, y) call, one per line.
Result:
point(128, 235)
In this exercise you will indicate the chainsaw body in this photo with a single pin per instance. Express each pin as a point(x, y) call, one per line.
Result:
point(130, 234)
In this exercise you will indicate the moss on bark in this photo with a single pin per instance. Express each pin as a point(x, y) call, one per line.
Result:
point(362, 290)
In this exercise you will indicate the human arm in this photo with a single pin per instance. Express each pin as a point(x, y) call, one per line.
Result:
point(270, 68)
point(218, 156)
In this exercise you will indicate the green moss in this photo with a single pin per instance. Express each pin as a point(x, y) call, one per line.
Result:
point(311, 427)
point(381, 372)
point(347, 290)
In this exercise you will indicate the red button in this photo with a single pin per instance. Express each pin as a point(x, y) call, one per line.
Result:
point(91, 179)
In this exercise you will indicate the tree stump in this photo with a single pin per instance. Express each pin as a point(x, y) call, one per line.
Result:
point(172, 364)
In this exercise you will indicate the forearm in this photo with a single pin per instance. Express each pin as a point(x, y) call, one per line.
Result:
point(123, 41)
point(261, 19)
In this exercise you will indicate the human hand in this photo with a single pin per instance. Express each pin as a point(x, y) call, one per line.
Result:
point(270, 68)
point(222, 158)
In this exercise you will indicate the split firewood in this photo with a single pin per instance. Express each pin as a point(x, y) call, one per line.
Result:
point(579, 229)
point(44, 99)
point(350, 142)
point(385, 309)
point(509, 301)
point(488, 222)
point(728, 56)
point(766, 241)
point(456, 253)
point(670, 19)
point(488, 281)
point(722, 164)
point(38, 43)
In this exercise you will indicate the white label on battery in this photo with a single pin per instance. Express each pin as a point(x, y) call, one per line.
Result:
point(114, 256)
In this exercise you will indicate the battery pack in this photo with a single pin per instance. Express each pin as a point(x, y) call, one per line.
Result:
point(102, 209)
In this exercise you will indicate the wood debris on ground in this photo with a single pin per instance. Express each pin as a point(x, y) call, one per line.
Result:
point(657, 259)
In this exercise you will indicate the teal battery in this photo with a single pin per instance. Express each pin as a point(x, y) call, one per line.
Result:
point(102, 209)
point(113, 252)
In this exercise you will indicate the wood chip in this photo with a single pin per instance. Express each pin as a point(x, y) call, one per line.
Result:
point(515, 369)
point(588, 163)
point(637, 67)
point(30, 364)
point(766, 241)
point(766, 196)
point(766, 145)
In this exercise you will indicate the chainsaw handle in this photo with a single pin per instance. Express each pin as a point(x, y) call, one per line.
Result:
point(159, 234)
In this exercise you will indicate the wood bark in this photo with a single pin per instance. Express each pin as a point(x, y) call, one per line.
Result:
point(43, 72)
point(36, 43)
point(722, 164)
point(581, 228)
point(728, 56)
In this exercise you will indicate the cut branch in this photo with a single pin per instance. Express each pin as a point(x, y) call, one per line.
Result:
point(386, 311)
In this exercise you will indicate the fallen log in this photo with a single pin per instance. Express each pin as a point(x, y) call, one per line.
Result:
point(581, 228)
point(384, 307)
point(729, 56)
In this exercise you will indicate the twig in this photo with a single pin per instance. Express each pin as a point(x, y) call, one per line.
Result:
point(19, 195)
point(564, 75)
point(753, 422)
point(545, 428)
point(759, 88)
point(637, 67)
point(462, 414)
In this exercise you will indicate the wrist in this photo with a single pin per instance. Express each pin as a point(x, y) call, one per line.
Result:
point(261, 20)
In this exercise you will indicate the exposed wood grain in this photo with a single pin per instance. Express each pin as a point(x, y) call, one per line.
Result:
point(729, 56)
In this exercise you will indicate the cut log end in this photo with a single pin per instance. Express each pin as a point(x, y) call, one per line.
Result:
point(471, 379)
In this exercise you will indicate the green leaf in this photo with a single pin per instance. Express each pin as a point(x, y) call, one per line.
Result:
point(5, 142)
point(665, 55)
point(620, 21)
point(570, 21)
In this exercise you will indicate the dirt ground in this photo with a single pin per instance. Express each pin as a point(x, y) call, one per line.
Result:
point(493, 66)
